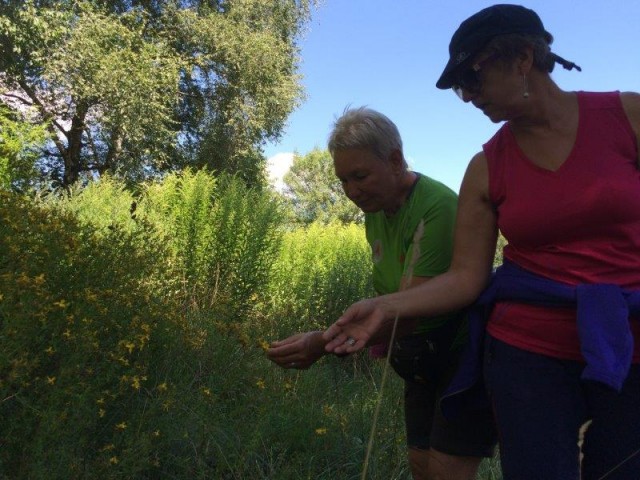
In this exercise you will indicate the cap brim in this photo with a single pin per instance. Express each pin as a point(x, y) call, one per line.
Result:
point(446, 79)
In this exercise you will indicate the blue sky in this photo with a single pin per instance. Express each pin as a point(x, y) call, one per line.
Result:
point(389, 54)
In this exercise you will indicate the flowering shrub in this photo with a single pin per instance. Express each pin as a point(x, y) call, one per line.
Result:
point(82, 316)
point(111, 363)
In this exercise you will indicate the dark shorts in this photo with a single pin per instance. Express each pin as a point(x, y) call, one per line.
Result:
point(427, 363)
point(541, 404)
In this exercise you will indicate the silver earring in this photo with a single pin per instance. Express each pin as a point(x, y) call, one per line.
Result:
point(525, 86)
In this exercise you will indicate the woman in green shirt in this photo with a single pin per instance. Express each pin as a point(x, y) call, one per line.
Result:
point(366, 148)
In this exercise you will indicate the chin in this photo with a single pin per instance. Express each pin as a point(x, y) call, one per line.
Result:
point(370, 208)
point(494, 118)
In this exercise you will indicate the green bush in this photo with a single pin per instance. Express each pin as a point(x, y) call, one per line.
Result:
point(80, 317)
point(102, 204)
point(320, 271)
point(107, 368)
point(223, 235)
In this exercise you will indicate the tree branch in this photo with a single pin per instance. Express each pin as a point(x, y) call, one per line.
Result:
point(18, 97)
point(47, 116)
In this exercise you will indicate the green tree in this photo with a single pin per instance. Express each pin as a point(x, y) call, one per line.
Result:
point(19, 142)
point(316, 193)
point(138, 87)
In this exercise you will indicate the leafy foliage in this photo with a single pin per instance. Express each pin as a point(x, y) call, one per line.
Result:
point(224, 235)
point(320, 271)
point(19, 141)
point(113, 366)
point(316, 192)
point(138, 88)
point(80, 317)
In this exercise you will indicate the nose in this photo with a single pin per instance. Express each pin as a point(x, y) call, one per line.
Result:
point(468, 95)
point(350, 190)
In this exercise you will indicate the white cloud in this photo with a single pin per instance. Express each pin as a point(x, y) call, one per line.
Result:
point(277, 166)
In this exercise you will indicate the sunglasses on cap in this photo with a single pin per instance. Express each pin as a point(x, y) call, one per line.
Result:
point(469, 79)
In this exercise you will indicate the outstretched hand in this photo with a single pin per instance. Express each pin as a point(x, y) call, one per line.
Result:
point(298, 351)
point(360, 323)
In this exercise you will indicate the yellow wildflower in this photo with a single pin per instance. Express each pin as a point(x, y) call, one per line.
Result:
point(51, 380)
point(260, 384)
point(102, 412)
point(121, 426)
point(113, 460)
point(321, 431)
point(129, 346)
point(206, 391)
point(264, 345)
point(156, 433)
point(61, 303)
point(50, 350)
point(162, 387)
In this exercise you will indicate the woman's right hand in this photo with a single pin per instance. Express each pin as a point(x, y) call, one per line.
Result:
point(298, 351)
point(362, 322)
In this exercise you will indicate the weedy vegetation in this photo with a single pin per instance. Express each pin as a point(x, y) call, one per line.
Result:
point(132, 333)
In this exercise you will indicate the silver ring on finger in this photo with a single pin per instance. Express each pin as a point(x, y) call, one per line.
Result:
point(350, 341)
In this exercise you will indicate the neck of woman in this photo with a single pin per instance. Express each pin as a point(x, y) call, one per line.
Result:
point(403, 190)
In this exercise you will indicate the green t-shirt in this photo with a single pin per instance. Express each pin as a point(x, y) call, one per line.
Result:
point(391, 240)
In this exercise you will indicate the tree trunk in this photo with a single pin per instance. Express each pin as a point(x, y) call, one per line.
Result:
point(73, 154)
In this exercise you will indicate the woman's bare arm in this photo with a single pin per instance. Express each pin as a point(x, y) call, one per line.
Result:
point(474, 248)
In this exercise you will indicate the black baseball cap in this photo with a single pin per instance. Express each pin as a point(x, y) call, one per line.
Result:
point(476, 31)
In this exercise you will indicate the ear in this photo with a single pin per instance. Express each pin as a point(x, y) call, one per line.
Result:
point(397, 161)
point(524, 61)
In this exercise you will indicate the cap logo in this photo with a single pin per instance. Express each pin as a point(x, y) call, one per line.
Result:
point(461, 57)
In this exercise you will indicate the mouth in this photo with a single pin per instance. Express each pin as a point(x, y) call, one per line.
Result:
point(364, 204)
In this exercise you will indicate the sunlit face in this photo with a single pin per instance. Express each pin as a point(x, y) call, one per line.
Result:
point(367, 180)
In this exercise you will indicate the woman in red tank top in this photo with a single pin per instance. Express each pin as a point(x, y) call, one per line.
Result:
point(561, 180)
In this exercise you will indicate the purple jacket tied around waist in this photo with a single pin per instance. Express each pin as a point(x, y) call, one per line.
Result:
point(603, 312)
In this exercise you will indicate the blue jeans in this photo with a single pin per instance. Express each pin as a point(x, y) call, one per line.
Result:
point(540, 403)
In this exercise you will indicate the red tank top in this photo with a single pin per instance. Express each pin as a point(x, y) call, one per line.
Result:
point(578, 224)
